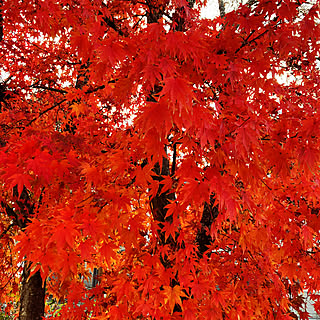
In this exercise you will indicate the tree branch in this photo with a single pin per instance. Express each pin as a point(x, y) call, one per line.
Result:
point(222, 8)
point(49, 89)
point(110, 23)
point(45, 111)
point(6, 231)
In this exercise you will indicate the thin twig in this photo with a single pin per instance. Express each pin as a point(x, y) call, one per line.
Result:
point(49, 89)
point(6, 231)
point(45, 111)
point(12, 275)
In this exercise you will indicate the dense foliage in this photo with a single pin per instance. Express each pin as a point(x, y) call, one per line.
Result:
point(177, 155)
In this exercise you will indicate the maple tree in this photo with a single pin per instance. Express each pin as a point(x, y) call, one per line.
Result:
point(178, 155)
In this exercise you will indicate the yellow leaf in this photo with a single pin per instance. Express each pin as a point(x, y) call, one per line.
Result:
point(173, 296)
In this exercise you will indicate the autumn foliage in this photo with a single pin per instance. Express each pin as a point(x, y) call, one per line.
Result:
point(178, 155)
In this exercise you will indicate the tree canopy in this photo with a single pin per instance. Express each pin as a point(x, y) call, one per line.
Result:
point(178, 155)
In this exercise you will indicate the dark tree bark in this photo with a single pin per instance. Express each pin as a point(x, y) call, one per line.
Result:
point(209, 214)
point(32, 292)
point(32, 296)
point(222, 8)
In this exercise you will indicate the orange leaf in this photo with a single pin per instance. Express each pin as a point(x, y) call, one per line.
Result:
point(173, 296)
point(78, 108)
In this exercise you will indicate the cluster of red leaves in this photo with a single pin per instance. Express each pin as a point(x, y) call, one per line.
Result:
point(97, 96)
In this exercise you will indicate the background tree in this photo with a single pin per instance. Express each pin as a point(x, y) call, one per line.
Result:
point(179, 155)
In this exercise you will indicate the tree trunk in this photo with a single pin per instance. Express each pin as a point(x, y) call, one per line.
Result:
point(32, 297)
